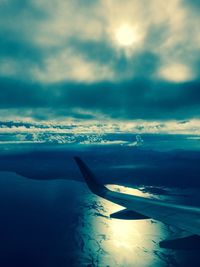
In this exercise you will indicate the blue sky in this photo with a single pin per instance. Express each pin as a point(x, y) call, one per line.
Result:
point(100, 61)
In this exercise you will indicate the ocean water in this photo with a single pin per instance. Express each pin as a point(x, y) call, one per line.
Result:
point(48, 217)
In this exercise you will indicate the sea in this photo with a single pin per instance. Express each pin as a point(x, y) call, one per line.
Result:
point(49, 218)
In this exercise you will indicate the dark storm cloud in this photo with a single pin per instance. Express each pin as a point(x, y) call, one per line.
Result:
point(15, 49)
point(17, 8)
point(193, 3)
point(138, 99)
point(144, 63)
point(19, 94)
point(93, 50)
point(130, 100)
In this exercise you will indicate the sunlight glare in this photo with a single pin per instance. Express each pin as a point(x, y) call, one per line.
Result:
point(126, 35)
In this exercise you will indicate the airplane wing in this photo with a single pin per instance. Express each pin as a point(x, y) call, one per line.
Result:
point(184, 217)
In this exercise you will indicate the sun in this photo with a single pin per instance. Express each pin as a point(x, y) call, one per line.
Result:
point(126, 35)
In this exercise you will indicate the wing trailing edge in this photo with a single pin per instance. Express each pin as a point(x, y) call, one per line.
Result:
point(126, 214)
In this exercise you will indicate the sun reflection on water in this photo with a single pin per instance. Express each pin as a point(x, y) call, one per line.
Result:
point(128, 190)
point(114, 242)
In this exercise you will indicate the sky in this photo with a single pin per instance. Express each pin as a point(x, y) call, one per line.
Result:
point(134, 61)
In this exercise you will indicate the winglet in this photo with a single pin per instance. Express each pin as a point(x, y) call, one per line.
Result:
point(96, 187)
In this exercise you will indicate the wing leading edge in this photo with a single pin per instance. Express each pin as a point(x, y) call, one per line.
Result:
point(181, 216)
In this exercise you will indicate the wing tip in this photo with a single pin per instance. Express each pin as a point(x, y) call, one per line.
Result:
point(96, 187)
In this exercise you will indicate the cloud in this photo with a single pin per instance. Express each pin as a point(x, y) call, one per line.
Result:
point(136, 99)
point(193, 4)
point(94, 132)
point(176, 73)
point(57, 38)
point(61, 59)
